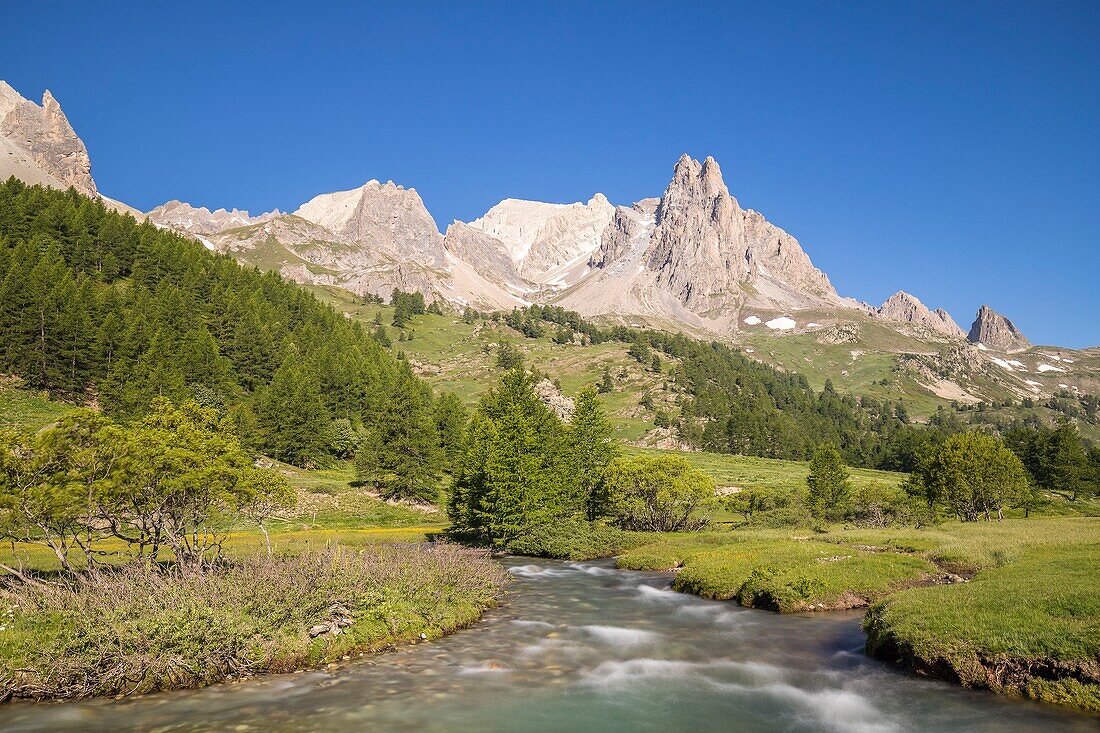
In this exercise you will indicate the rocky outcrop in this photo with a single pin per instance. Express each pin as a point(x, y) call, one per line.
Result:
point(906, 308)
point(697, 258)
point(185, 218)
point(628, 231)
point(490, 254)
point(544, 240)
point(994, 331)
point(706, 249)
point(387, 219)
point(44, 135)
point(552, 397)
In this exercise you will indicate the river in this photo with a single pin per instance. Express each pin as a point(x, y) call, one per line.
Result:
point(585, 647)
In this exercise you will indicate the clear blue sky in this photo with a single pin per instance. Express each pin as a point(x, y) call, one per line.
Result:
point(949, 149)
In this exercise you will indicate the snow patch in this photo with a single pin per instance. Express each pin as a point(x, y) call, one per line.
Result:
point(1050, 368)
point(982, 347)
point(781, 324)
point(1002, 363)
point(1018, 364)
point(752, 321)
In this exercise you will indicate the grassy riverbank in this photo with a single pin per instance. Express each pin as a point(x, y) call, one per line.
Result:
point(1029, 627)
point(135, 630)
point(1025, 622)
point(778, 570)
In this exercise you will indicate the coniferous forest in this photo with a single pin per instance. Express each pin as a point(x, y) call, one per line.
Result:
point(103, 310)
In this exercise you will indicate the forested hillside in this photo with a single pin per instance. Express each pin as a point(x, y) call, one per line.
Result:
point(100, 309)
point(729, 403)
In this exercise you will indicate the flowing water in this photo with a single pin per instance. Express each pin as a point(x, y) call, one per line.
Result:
point(584, 647)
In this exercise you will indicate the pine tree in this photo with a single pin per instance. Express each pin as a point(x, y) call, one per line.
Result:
point(407, 458)
point(828, 482)
point(450, 419)
point(606, 386)
point(591, 449)
point(291, 414)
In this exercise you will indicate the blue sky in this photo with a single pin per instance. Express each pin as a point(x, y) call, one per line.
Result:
point(948, 149)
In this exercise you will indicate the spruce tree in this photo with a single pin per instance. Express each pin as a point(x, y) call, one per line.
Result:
point(407, 458)
point(513, 475)
point(828, 482)
point(291, 414)
point(591, 449)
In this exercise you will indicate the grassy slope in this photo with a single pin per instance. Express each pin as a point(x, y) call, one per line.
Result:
point(857, 367)
point(26, 410)
point(461, 358)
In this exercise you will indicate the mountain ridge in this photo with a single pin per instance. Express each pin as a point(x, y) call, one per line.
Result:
point(692, 257)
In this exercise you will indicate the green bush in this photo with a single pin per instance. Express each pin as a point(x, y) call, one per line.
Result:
point(574, 540)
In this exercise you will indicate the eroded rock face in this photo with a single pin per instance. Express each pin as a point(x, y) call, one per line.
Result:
point(541, 239)
point(47, 141)
point(488, 253)
point(906, 308)
point(388, 219)
point(994, 331)
point(629, 230)
point(711, 254)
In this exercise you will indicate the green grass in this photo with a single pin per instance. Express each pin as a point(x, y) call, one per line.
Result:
point(22, 409)
point(971, 546)
point(749, 472)
point(777, 570)
point(327, 500)
point(1030, 627)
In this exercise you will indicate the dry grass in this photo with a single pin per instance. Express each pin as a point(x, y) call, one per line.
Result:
point(138, 629)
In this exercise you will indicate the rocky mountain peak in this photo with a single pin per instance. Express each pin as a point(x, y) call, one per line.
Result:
point(40, 146)
point(386, 219)
point(907, 308)
point(993, 330)
point(543, 240)
point(711, 254)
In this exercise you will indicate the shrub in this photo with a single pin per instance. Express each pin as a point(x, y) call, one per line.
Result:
point(658, 493)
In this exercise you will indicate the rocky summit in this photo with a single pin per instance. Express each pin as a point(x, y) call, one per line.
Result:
point(992, 330)
point(40, 146)
point(906, 308)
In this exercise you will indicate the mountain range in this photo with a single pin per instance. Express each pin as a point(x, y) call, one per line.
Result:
point(690, 259)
